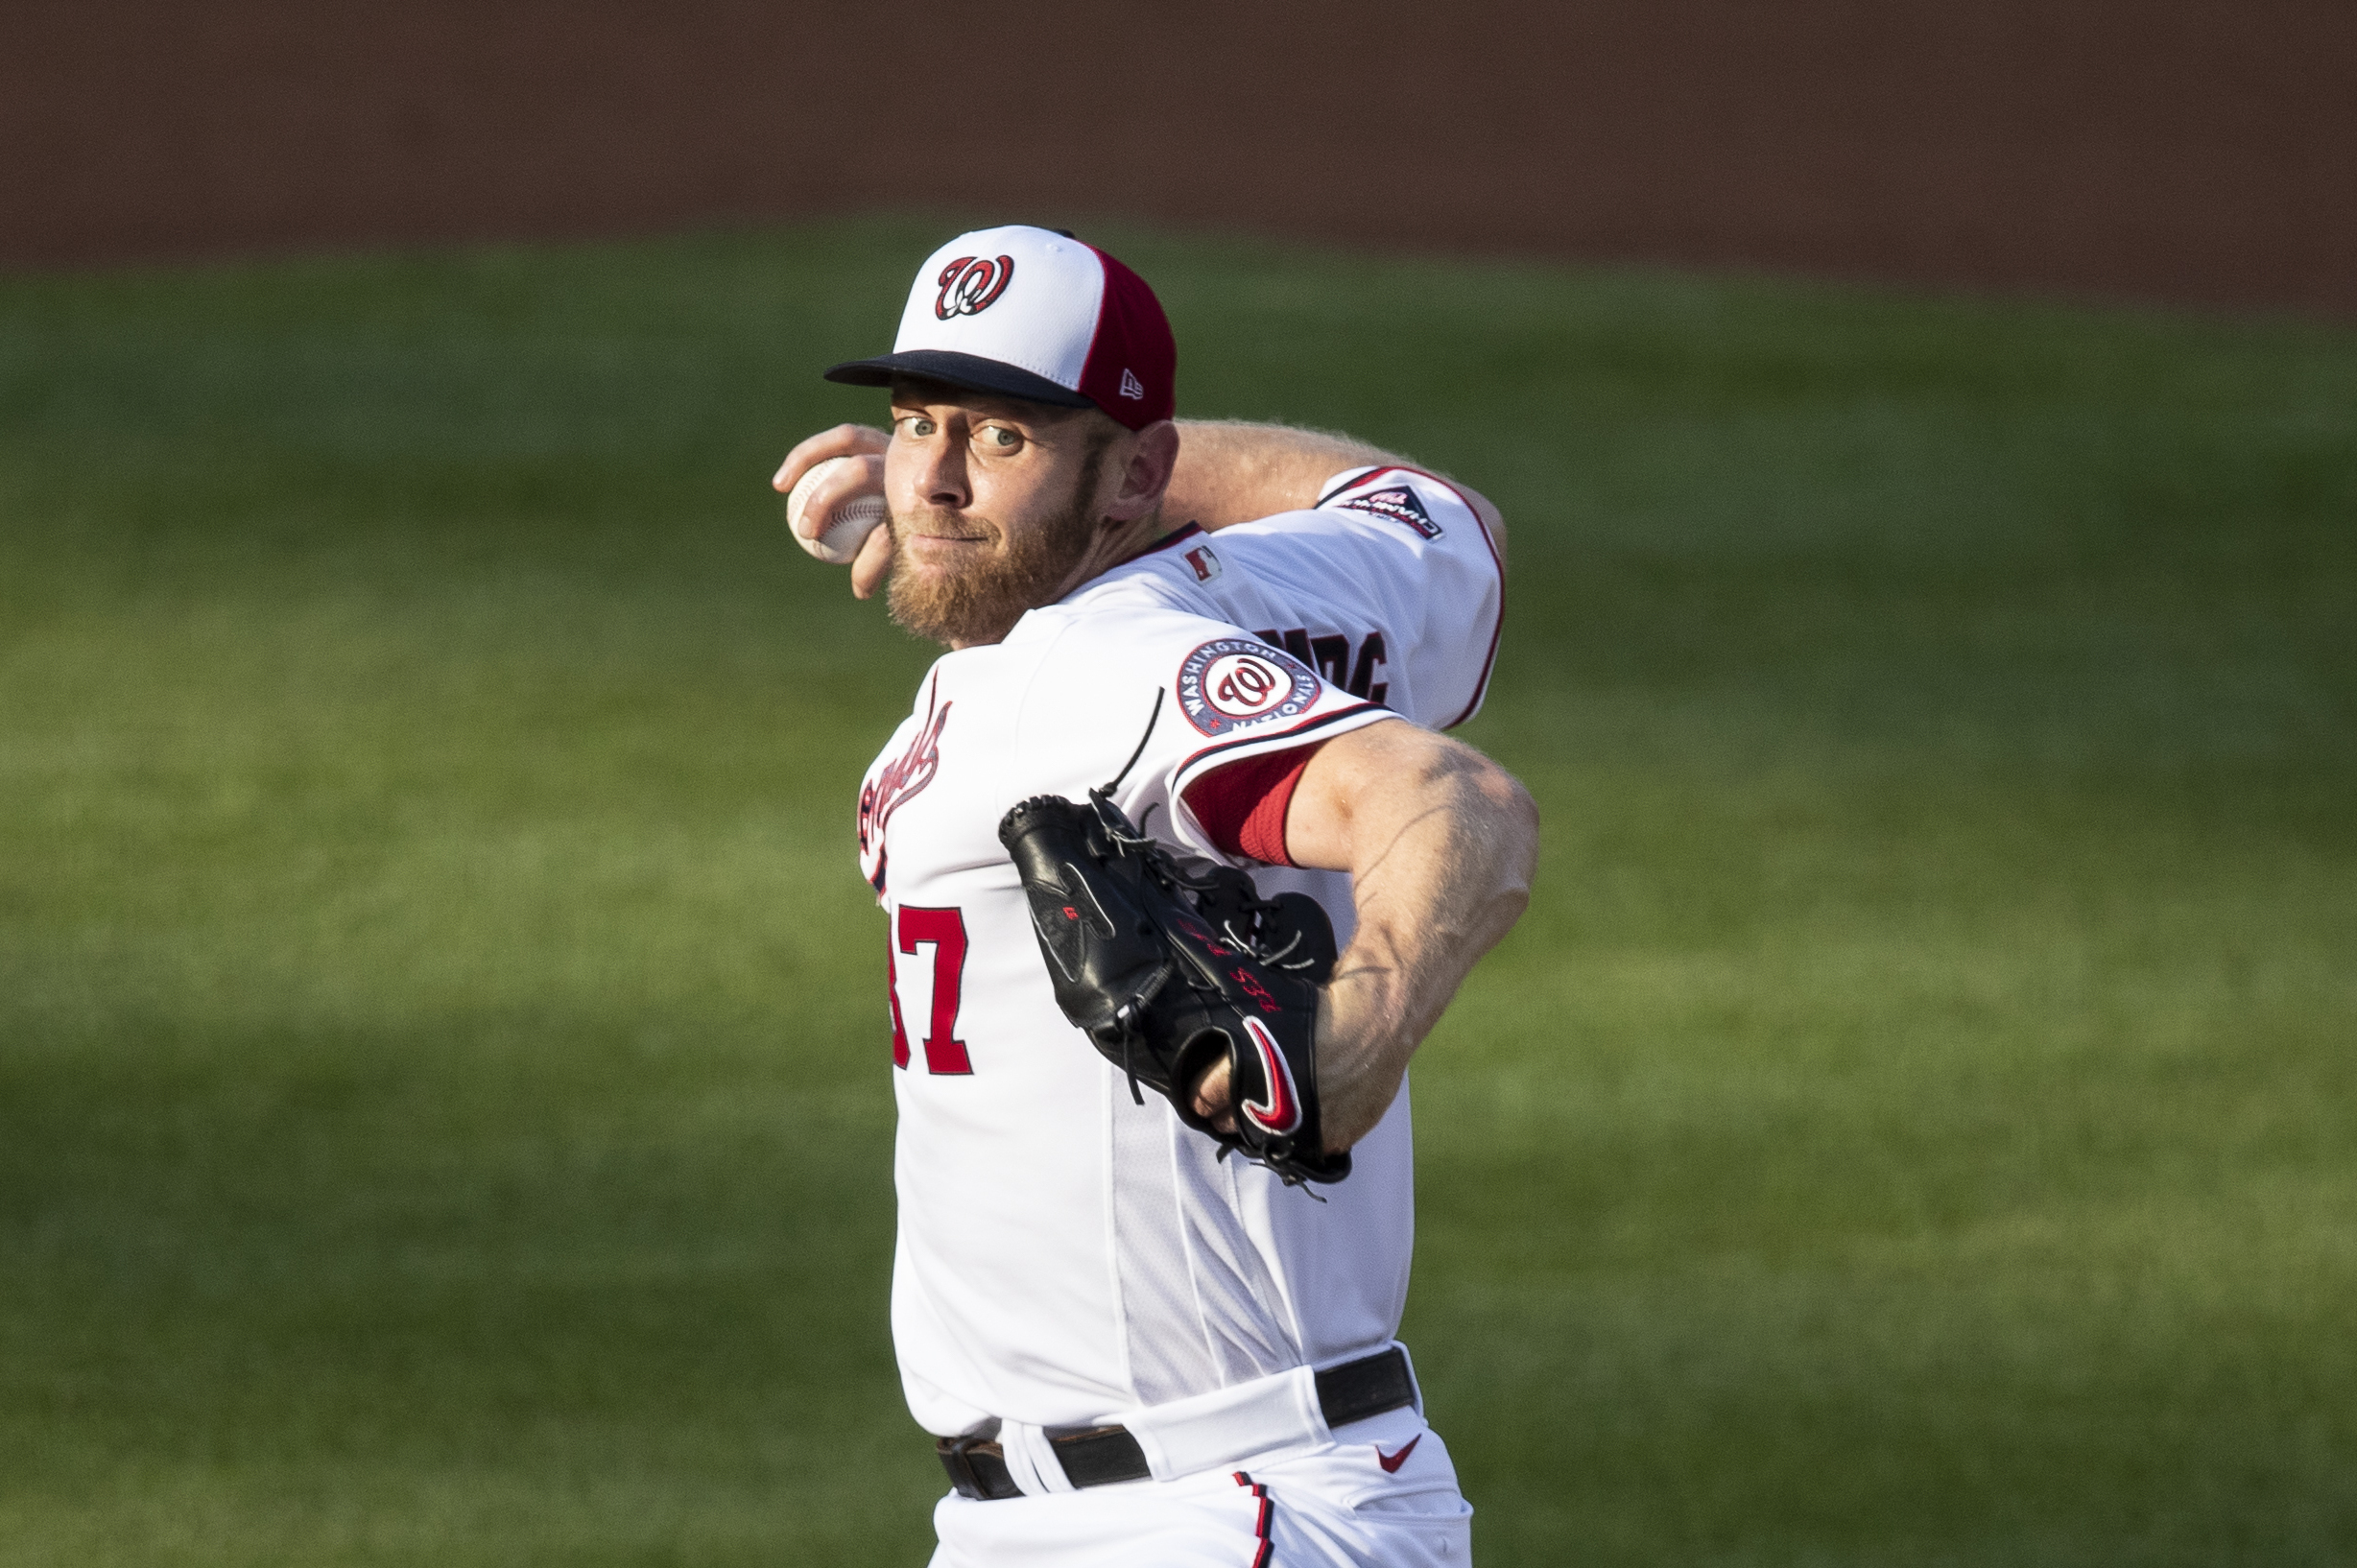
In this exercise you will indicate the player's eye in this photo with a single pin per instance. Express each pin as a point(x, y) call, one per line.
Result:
point(916, 425)
point(1000, 438)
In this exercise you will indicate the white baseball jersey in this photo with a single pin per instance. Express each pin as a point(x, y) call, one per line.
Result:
point(1065, 1255)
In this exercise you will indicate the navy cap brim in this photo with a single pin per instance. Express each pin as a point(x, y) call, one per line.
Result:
point(968, 373)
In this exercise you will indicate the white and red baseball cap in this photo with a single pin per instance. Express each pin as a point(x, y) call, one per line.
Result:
point(1032, 314)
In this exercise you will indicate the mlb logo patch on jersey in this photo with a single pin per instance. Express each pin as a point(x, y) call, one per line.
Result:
point(1233, 681)
point(1400, 505)
point(1206, 564)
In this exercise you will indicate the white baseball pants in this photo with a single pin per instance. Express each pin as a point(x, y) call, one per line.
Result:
point(1387, 1498)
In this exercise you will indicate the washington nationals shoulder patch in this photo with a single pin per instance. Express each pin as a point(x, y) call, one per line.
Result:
point(1231, 681)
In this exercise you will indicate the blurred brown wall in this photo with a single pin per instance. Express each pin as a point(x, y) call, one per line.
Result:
point(2170, 149)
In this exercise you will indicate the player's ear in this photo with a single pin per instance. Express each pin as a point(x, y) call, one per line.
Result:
point(1153, 457)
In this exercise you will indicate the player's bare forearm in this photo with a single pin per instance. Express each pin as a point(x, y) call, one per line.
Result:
point(1440, 843)
point(1234, 471)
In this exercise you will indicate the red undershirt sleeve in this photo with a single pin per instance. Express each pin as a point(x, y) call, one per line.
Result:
point(1242, 806)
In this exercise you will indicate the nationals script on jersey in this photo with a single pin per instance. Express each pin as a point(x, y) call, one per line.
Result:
point(1066, 1257)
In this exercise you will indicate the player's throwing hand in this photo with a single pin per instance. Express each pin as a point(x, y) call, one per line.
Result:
point(852, 457)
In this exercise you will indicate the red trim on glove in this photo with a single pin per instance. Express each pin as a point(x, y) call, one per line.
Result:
point(1242, 805)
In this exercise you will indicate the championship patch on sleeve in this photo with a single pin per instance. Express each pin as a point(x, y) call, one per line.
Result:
point(1398, 503)
point(1232, 681)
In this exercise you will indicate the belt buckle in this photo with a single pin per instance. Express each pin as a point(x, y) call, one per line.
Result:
point(954, 1453)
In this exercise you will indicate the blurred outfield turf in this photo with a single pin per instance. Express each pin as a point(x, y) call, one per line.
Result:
point(443, 1100)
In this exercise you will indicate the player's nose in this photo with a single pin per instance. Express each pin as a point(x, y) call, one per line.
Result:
point(941, 480)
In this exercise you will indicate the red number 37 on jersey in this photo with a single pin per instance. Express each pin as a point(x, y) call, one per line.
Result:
point(943, 930)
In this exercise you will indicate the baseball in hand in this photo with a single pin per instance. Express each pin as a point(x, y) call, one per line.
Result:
point(845, 530)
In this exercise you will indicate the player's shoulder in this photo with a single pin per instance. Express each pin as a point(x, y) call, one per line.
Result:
point(1093, 668)
point(1078, 653)
point(1126, 627)
point(1169, 574)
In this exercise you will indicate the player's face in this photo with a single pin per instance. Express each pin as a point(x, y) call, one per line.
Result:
point(994, 508)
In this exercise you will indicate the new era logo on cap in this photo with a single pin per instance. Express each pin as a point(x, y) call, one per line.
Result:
point(1032, 314)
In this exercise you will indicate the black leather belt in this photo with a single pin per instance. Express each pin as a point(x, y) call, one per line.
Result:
point(1099, 1456)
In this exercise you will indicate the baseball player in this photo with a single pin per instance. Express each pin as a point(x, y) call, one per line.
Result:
point(1128, 1345)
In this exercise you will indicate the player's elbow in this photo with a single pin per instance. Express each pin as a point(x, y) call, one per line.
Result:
point(1488, 849)
point(1489, 807)
point(1508, 819)
point(1369, 793)
point(1517, 815)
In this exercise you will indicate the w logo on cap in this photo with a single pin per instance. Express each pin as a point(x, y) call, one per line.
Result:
point(972, 284)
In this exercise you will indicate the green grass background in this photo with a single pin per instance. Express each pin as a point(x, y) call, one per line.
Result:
point(443, 1096)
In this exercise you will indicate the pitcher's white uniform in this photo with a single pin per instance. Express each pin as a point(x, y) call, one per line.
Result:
point(1067, 1257)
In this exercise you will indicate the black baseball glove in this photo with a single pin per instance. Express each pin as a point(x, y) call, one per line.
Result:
point(1168, 970)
